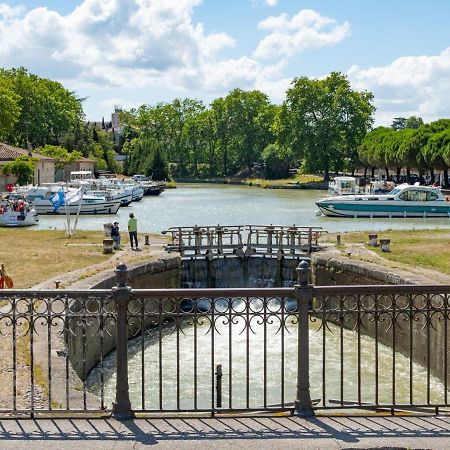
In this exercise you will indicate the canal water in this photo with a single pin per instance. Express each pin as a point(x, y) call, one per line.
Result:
point(212, 204)
point(184, 340)
point(204, 204)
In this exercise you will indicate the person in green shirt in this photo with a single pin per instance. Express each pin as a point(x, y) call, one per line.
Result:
point(132, 231)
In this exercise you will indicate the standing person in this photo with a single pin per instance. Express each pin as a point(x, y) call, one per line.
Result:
point(115, 235)
point(132, 231)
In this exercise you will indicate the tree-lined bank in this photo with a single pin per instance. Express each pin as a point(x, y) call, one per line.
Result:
point(322, 126)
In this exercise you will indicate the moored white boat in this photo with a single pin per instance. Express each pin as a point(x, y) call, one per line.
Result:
point(17, 211)
point(137, 191)
point(100, 186)
point(90, 204)
point(403, 201)
point(343, 186)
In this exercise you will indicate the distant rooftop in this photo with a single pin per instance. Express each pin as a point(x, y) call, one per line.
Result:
point(10, 153)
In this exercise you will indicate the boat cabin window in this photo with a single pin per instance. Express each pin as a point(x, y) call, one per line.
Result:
point(347, 185)
point(413, 195)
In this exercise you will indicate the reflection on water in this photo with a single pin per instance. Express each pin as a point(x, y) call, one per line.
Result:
point(212, 204)
point(231, 341)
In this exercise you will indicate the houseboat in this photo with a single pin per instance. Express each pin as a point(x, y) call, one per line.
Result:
point(403, 201)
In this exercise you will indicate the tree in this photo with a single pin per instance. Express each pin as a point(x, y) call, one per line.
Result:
point(276, 162)
point(413, 122)
point(61, 156)
point(9, 106)
point(94, 134)
point(324, 121)
point(22, 167)
point(47, 110)
point(399, 123)
point(160, 167)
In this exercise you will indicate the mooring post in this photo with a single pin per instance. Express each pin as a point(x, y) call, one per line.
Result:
point(303, 294)
point(122, 406)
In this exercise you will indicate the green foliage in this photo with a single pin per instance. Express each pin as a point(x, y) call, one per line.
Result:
point(324, 121)
point(424, 148)
point(92, 143)
point(321, 126)
point(61, 156)
point(22, 167)
point(160, 167)
point(46, 110)
point(9, 106)
point(276, 162)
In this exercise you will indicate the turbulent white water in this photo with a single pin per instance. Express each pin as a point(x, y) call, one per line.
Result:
point(254, 340)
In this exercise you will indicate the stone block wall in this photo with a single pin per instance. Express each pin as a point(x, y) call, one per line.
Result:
point(426, 343)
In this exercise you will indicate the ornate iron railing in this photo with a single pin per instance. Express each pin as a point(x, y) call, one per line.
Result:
point(224, 350)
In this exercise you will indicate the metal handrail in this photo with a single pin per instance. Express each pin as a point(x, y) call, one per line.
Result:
point(409, 318)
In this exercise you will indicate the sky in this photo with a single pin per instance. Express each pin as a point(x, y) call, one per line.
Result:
point(131, 52)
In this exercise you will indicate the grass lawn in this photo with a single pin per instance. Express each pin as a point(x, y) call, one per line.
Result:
point(32, 256)
point(419, 248)
point(298, 178)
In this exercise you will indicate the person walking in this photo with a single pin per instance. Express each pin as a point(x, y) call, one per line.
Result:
point(132, 231)
point(115, 236)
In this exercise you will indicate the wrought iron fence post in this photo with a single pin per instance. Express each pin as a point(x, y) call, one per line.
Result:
point(303, 294)
point(122, 406)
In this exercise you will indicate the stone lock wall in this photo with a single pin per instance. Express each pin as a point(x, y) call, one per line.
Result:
point(157, 274)
point(333, 269)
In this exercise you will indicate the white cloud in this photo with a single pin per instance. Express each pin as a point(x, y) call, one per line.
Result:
point(131, 44)
point(307, 29)
point(410, 85)
point(272, 2)
point(8, 12)
point(111, 103)
point(114, 43)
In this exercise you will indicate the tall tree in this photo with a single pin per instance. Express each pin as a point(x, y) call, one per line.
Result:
point(47, 109)
point(9, 106)
point(323, 121)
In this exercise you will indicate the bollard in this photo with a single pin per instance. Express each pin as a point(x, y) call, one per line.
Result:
point(57, 283)
point(108, 246)
point(385, 245)
point(338, 239)
point(147, 239)
point(107, 229)
point(303, 294)
point(373, 240)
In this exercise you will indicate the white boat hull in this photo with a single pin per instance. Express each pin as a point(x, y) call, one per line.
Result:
point(109, 207)
point(403, 201)
point(389, 212)
point(15, 219)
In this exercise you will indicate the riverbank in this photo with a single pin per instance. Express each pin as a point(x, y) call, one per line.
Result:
point(296, 182)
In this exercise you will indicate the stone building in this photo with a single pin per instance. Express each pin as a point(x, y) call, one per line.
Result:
point(43, 173)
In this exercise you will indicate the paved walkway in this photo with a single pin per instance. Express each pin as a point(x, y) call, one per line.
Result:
point(245, 432)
